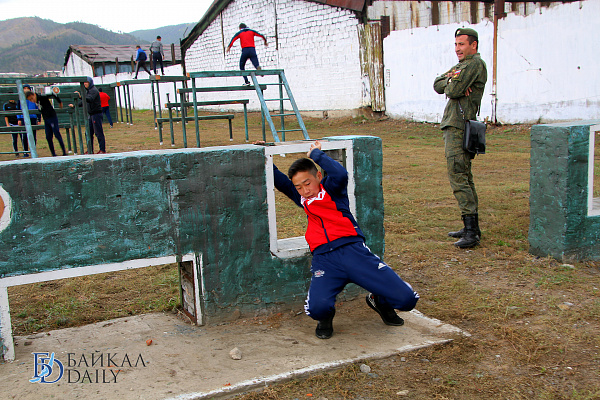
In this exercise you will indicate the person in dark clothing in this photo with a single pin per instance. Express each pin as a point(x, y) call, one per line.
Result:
point(140, 60)
point(11, 120)
point(246, 37)
point(156, 49)
point(34, 119)
point(94, 107)
point(50, 119)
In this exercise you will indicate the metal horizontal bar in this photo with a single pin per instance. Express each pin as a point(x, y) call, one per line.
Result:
point(290, 130)
point(21, 128)
point(275, 99)
point(135, 81)
point(168, 78)
point(19, 112)
point(200, 117)
point(207, 103)
point(272, 84)
point(216, 74)
point(219, 89)
point(69, 79)
point(282, 115)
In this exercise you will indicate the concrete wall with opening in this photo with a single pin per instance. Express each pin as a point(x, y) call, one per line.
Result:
point(89, 214)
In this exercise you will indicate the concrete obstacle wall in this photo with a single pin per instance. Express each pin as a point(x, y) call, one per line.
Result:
point(564, 215)
point(74, 212)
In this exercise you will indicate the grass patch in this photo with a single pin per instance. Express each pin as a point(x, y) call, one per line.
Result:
point(534, 322)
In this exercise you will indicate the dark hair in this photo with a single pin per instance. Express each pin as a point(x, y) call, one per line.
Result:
point(29, 93)
point(472, 39)
point(99, 89)
point(242, 26)
point(302, 165)
point(158, 37)
point(138, 47)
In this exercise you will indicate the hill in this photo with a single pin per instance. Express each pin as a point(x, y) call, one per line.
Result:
point(169, 34)
point(35, 45)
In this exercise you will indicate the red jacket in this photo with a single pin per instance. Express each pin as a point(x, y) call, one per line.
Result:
point(330, 222)
point(246, 37)
point(104, 98)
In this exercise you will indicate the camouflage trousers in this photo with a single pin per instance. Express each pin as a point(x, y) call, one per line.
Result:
point(459, 171)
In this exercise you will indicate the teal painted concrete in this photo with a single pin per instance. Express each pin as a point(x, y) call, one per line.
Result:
point(559, 224)
point(91, 210)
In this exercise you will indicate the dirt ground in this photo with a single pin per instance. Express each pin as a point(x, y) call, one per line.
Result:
point(534, 321)
point(112, 359)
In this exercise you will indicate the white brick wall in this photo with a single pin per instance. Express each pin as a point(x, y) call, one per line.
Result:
point(317, 46)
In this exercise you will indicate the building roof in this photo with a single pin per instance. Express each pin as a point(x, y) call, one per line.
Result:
point(93, 54)
point(219, 5)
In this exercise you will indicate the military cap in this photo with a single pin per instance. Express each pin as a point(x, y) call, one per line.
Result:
point(466, 31)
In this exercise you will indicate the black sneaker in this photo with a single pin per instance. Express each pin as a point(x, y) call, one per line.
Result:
point(388, 315)
point(325, 327)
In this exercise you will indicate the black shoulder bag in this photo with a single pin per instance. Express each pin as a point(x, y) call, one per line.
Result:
point(474, 135)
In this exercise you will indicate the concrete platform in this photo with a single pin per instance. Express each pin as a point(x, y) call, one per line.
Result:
point(112, 360)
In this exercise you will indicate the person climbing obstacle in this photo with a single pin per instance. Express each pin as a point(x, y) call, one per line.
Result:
point(340, 255)
point(246, 36)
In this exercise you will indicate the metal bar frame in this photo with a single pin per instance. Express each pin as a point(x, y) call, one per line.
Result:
point(265, 110)
point(195, 101)
point(26, 120)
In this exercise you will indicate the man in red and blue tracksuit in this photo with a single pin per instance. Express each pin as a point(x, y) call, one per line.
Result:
point(340, 255)
point(246, 37)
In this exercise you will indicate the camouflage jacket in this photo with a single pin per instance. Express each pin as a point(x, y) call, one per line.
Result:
point(469, 73)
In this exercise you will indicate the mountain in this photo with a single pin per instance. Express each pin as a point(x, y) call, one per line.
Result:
point(35, 45)
point(169, 34)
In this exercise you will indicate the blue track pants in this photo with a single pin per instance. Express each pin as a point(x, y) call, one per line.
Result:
point(354, 263)
point(248, 53)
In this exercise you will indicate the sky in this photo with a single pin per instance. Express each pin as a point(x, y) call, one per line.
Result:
point(114, 15)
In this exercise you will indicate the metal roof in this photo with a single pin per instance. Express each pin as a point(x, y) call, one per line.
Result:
point(93, 54)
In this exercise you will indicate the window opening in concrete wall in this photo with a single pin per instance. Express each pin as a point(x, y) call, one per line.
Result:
point(594, 172)
point(71, 302)
point(287, 222)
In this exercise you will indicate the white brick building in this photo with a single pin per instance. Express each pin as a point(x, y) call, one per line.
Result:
point(347, 54)
point(316, 44)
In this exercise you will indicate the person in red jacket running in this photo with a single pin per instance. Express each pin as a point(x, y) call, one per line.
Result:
point(246, 37)
point(104, 98)
point(340, 255)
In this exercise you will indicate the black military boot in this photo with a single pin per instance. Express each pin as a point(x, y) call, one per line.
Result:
point(470, 237)
point(458, 234)
point(461, 233)
point(477, 230)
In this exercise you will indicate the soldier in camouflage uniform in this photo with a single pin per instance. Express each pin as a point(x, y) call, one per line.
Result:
point(463, 84)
